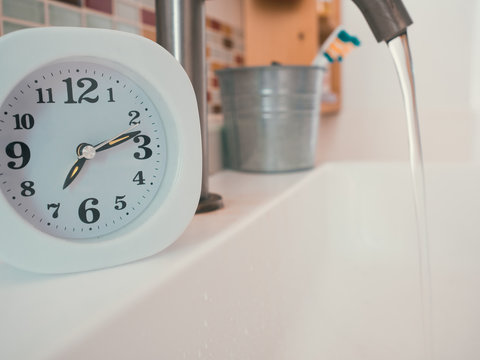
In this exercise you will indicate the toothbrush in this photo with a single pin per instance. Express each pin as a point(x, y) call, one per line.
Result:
point(338, 44)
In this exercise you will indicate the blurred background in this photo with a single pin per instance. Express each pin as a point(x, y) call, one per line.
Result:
point(363, 116)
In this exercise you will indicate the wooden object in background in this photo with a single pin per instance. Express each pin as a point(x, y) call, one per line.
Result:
point(290, 32)
point(280, 30)
point(328, 17)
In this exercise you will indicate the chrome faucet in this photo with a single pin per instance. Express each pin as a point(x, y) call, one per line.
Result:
point(181, 30)
point(387, 18)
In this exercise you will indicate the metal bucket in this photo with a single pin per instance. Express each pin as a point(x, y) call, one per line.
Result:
point(271, 116)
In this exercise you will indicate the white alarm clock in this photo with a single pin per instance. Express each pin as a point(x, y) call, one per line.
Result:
point(100, 149)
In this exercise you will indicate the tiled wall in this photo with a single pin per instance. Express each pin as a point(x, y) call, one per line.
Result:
point(224, 49)
point(224, 42)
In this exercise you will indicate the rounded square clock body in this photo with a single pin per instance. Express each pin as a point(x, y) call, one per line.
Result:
point(100, 149)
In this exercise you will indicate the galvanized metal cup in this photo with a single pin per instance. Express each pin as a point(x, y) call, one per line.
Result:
point(271, 116)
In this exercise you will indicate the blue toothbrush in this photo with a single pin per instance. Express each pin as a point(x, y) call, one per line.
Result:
point(338, 44)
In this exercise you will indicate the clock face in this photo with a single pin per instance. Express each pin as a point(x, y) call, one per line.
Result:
point(83, 149)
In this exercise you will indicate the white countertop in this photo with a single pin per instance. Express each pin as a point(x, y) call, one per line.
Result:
point(43, 314)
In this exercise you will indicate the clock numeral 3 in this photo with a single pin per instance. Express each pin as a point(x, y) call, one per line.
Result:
point(25, 121)
point(12, 151)
point(27, 188)
point(83, 97)
point(56, 206)
point(88, 215)
point(147, 152)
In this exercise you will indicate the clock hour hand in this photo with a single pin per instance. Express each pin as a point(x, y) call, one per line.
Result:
point(116, 141)
point(84, 152)
point(74, 171)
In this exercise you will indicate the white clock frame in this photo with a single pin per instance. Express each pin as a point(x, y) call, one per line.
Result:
point(164, 80)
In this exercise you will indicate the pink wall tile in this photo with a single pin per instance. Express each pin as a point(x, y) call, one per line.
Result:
point(100, 5)
point(148, 17)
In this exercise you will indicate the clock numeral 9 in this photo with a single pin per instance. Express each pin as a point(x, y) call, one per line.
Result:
point(88, 215)
point(26, 121)
point(18, 150)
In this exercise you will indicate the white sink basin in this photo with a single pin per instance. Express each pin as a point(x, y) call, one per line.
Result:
point(314, 265)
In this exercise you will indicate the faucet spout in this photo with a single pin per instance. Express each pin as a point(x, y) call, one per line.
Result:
point(387, 18)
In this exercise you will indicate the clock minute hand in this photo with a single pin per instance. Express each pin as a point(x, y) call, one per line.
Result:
point(117, 140)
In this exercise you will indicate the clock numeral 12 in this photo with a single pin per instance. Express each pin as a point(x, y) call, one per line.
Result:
point(83, 97)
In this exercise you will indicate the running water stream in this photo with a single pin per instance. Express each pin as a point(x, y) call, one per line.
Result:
point(400, 51)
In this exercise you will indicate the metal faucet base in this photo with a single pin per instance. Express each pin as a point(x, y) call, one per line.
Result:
point(210, 203)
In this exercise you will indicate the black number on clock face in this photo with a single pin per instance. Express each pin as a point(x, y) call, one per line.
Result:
point(55, 206)
point(81, 83)
point(26, 121)
point(147, 152)
point(42, 98)
point(18, 150)
point(91, 214)
point(110, 95)
point(27, 188)
point(139, 179)
point(120, 204)
point(134, 115)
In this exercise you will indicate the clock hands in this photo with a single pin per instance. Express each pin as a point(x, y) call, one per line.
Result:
point(116, 141)
point(107, 144)
point(86, 151)
point(72, 174)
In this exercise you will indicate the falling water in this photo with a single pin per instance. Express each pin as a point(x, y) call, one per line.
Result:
point(403, 61)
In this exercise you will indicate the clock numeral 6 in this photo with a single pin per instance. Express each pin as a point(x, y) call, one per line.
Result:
point(88, 215)
point(17, 150)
